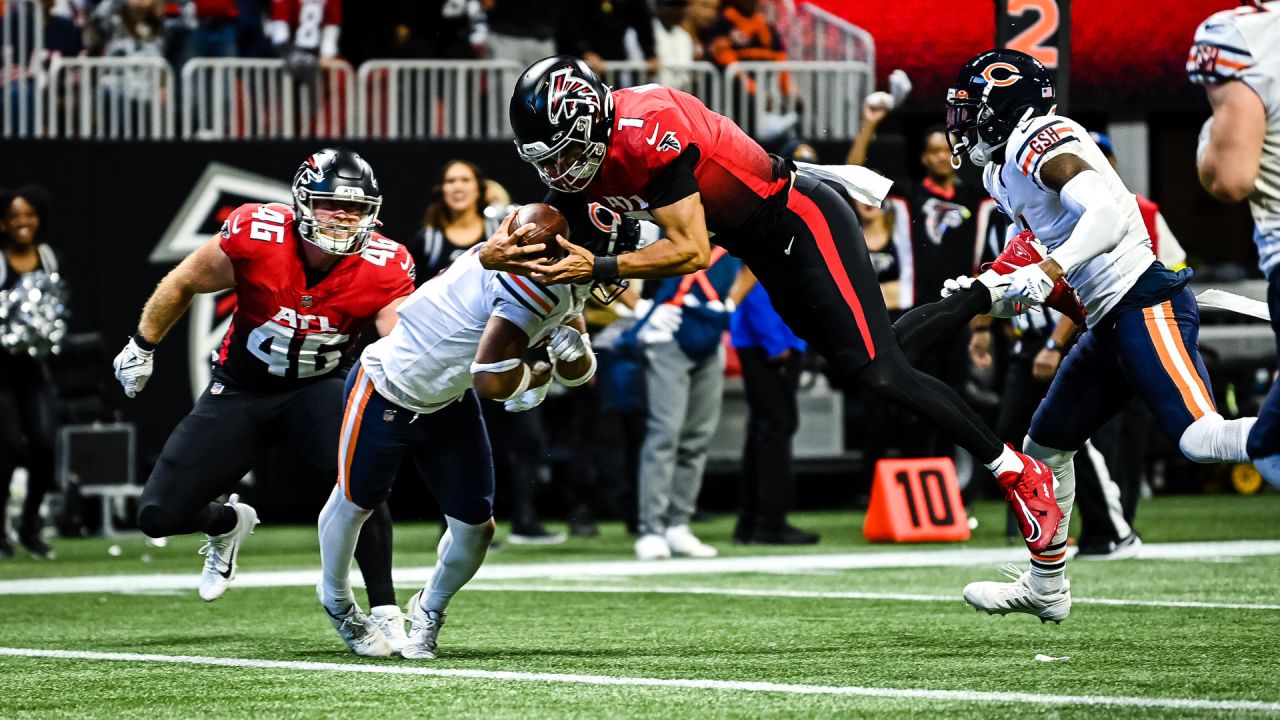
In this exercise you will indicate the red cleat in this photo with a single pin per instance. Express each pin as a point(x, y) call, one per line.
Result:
point(1023, 250)
point(1030, 494)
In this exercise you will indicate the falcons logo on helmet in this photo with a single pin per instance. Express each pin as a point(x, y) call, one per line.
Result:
point(569, 94)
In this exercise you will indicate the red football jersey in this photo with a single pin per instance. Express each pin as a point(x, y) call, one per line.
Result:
point(306, 19)
point(653, 125)
point(283, 333)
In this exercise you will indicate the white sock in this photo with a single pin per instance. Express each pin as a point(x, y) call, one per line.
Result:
point(1007, 462)
point(339, 524)
point(1049, 566)
point(460, 553)
point(1213, 438)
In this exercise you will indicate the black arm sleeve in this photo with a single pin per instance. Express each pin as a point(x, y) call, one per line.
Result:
point(675, 183)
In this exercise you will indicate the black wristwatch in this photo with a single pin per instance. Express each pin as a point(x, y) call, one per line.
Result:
point(1052, 344)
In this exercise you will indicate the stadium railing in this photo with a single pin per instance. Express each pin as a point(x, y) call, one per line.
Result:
point(258, 98)
point(22, 55)
point(822, 99)
point(453, 99)
point(817, 34)
point(108, 98)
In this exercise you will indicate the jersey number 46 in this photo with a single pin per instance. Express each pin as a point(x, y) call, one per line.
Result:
point(287, 353)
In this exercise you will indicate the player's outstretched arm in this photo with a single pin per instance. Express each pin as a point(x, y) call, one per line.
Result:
point(573, 360)
point(205, 270)
point(504, 249)
point(1229, 157)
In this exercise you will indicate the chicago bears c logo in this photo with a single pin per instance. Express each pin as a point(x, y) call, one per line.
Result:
point(1001, 74)
point(568, 95)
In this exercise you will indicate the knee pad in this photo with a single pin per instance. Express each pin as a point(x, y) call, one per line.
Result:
point(1049, 456)
point(156, 522)
point(1213, 438)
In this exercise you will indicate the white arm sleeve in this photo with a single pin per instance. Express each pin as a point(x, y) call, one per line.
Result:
point(329, 40)
point(1100, 227)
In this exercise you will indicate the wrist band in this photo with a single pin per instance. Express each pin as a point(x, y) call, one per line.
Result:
point(143, 343)
point(605, 268)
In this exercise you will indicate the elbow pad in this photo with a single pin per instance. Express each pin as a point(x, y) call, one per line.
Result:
point(575, 382)
point(504, 366)
point(1100, 226)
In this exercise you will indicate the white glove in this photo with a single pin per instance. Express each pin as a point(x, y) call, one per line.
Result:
point(1028, 285)
point(133, 368)
point(951, 287)
point(528, 400)
point(567, 344)
point(665, 319)
point(899, 86)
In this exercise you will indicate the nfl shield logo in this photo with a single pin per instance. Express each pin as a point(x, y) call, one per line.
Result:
point(388, 415)
point(306, 301)
point(215, 389)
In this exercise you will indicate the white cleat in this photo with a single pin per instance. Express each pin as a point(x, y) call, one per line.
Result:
point(424, 629)
point(221, 552)
point(390, 621)
point(358, 630)
point(652, 546)
point(682, 541)
point(1002, 598)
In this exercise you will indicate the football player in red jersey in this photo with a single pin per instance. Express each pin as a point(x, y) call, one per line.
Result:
point(661, 153)
point(308, 280)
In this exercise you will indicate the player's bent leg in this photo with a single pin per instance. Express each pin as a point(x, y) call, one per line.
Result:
point(460, 553)
point(339, 526)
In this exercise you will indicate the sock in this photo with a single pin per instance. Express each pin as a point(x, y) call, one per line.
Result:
point(461, 551)
point(1213, 438)
point(339, 526)
point(217, 519)
point(1049, 567)
point(1007, 462)
point(373, 555)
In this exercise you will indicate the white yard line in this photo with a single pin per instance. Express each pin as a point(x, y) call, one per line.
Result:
point(619, 569)
point(972, 696)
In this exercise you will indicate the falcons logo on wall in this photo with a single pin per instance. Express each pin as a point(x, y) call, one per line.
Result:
point(568, 95)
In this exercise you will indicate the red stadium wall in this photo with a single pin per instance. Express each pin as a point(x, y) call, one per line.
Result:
point(1124, 55)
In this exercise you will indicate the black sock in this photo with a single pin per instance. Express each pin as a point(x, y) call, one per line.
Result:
point(216, 519)
point(373, 554)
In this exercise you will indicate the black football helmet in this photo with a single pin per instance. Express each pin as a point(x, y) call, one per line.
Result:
point(562, 114)
point(994, 92)
point(336, 179)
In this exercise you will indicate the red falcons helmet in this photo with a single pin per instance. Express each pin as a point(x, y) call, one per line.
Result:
point(562, 114)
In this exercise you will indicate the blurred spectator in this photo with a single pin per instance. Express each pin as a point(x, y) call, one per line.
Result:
point(700, 16)
point(672, 42)
point(770, 355)
point(456, 220)
point(744, 33)
point(305, 33)
point(681, 334)
point(216, 31)
point(454, 29)
point(596, 31)
point(127, 28)
point(887, 231)
point(28, 405)
point(1163, 242)
point(522, 31)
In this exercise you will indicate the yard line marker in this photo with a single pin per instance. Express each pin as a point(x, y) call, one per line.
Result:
point(924, 557)
point(978, 696)
point(841, 595)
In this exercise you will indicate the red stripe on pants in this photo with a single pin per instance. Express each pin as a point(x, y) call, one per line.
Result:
point(813, 218)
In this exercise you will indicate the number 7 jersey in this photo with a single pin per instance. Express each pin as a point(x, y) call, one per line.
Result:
point(285, 333)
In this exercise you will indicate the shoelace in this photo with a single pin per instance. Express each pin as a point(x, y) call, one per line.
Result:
point(1011, 571)
point(213, 554)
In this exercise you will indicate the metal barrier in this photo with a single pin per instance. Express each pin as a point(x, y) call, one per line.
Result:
point(109, 99)
point(258, 98)
point(817, 34)
point(825, 97)
point(456, 99)
point(701, 79)
point(22, 53)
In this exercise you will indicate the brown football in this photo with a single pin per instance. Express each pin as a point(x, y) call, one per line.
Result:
point(549, 223)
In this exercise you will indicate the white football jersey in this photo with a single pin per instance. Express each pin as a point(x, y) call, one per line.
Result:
point(1102, 281)
point(1244, 44)
point(424, 363)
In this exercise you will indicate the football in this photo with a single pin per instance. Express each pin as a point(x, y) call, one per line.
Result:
point(550, 222)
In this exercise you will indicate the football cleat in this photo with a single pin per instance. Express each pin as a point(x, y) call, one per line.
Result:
point(358, 630)
point(390, 621)
point(1002, 598)
point(1021, 251)
point(221, 551)
point(1030, 495)
point(682, 541)
point(424, 630)
point(1123, 549)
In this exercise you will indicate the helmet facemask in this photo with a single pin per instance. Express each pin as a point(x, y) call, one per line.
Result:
point(319, 223)
point(570, 164)
point(966, 118)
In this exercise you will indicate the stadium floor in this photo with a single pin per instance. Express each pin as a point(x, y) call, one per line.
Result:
point(578, 630)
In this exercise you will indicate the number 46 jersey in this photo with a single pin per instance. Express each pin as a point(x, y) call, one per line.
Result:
point(285, 333)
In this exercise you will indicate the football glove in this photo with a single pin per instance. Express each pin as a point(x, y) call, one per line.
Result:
point(527, 400)
point(133, 367)
point(567, 344)
point(1028, 285)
